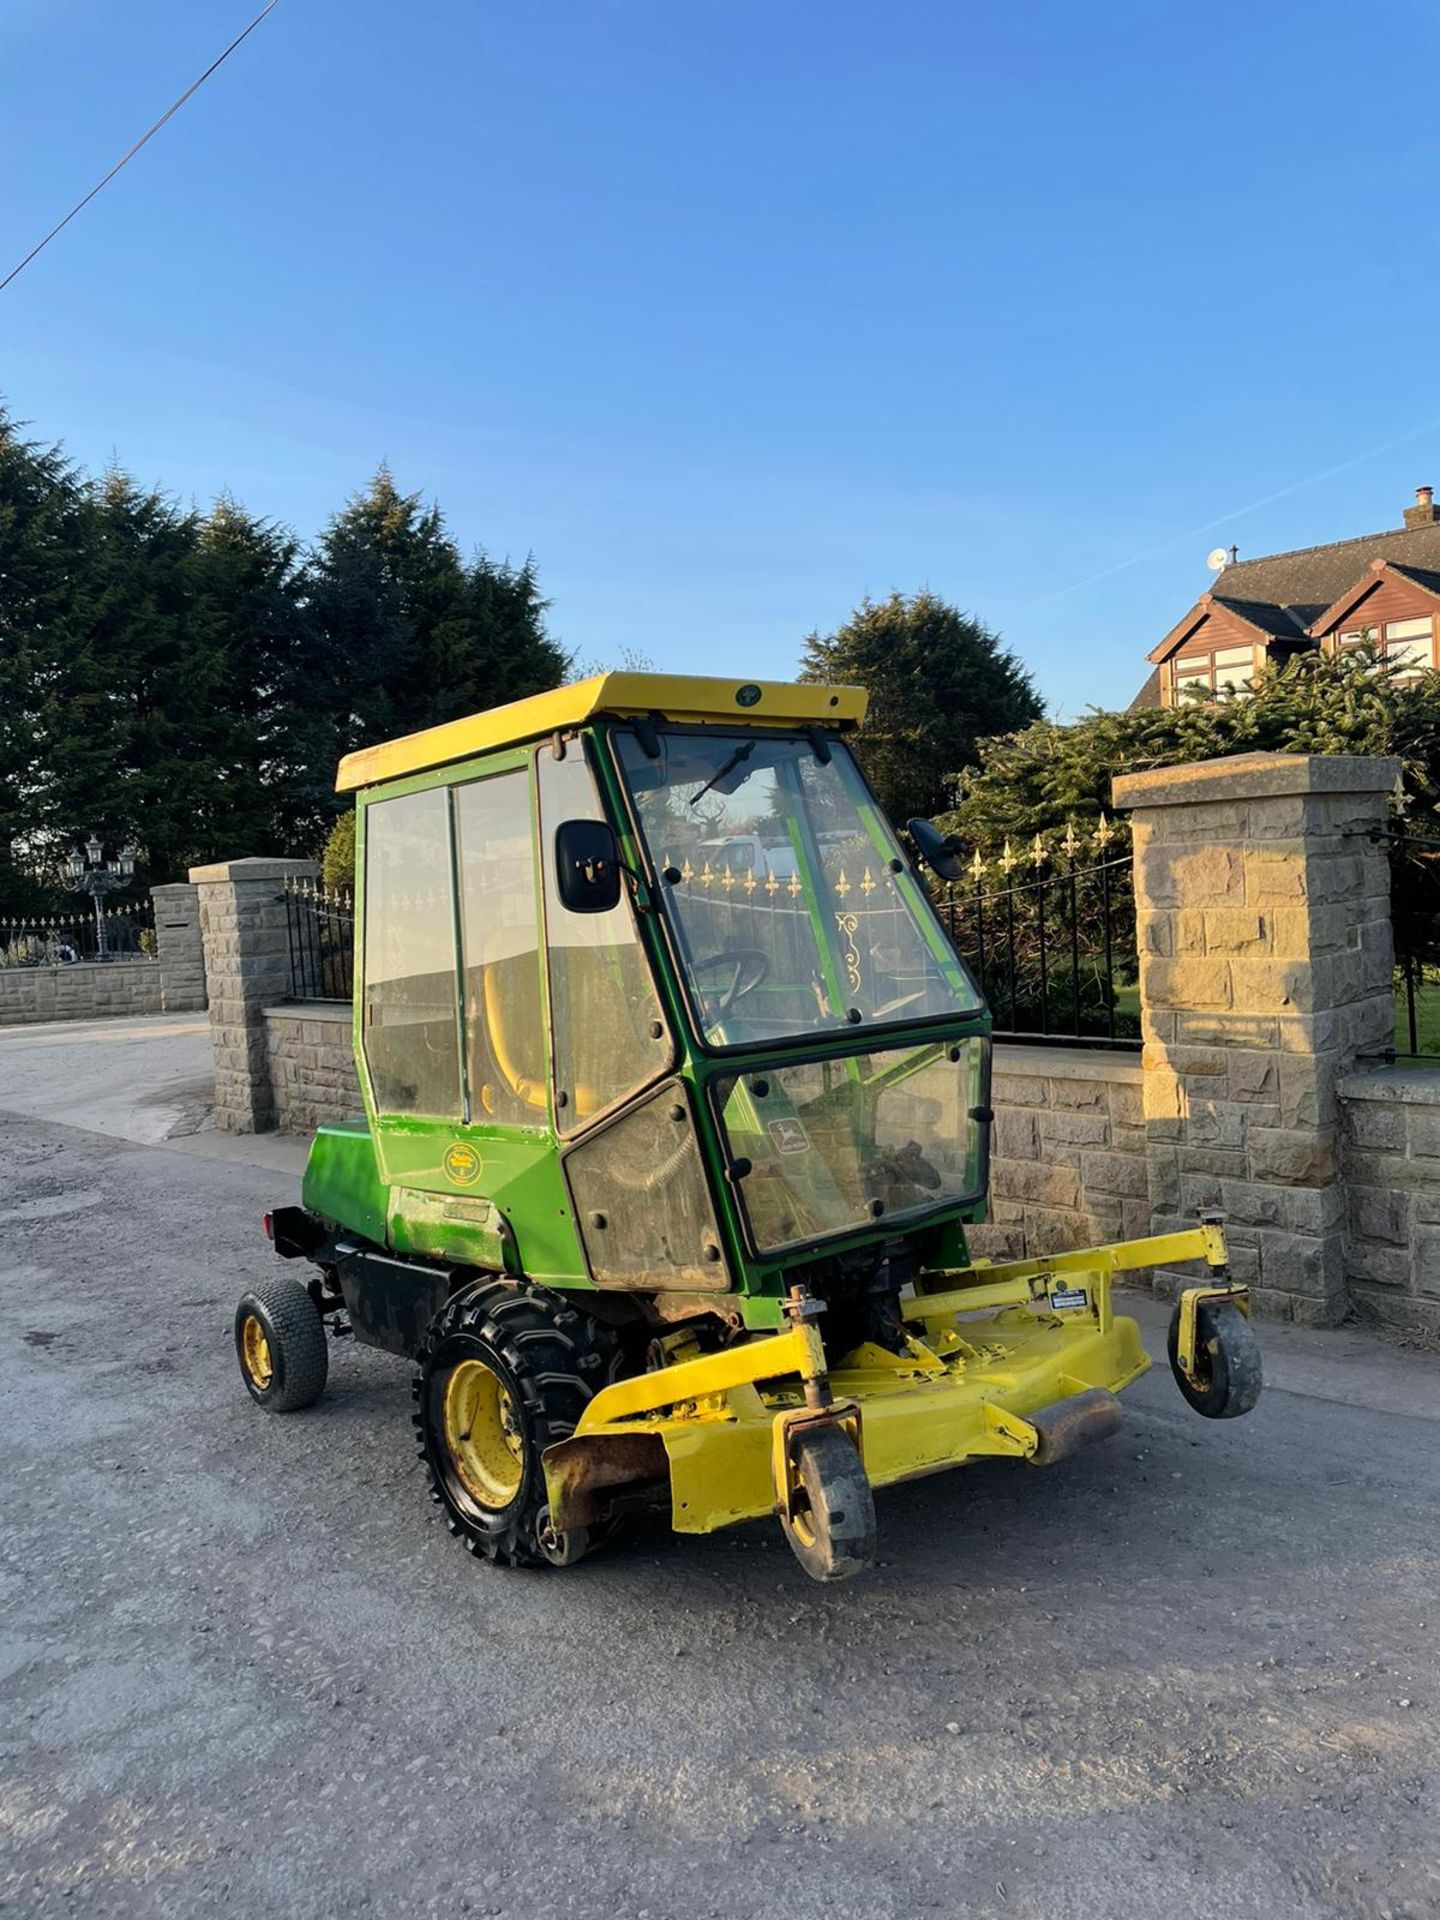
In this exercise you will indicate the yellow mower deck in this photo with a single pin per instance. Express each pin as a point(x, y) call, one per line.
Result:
point(997, 1361)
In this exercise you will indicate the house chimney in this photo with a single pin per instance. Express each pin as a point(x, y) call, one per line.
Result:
point(1423, 513)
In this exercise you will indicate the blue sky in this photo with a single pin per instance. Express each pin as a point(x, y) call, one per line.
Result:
point(732, 313)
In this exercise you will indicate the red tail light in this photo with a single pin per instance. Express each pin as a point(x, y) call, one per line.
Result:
point(267, 1220)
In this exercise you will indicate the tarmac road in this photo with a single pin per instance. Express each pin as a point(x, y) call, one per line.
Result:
point(244, 1670)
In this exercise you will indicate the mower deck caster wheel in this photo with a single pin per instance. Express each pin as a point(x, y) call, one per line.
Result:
point(832, 1532)
point(280, 1344)
point(1227, 1358)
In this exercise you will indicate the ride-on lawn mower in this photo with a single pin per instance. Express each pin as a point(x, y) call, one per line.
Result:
point(676, 1109)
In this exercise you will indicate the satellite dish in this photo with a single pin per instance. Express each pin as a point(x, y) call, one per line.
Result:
point(1218, 559)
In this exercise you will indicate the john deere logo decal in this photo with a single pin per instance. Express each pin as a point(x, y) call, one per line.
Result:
point(462, 1164)
point(790, 1136)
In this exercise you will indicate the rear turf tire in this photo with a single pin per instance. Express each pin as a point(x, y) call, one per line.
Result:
point(281, 1346)
point(506, 1370)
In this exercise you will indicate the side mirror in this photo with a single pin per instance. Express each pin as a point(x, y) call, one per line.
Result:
point(587, 866)
point(938, 850)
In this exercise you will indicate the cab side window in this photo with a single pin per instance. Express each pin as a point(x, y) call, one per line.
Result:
point(409, 1010)
point(504, 1017)
point(610, 1035)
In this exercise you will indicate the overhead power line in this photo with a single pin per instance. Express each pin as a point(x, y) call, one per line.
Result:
point(168, 114)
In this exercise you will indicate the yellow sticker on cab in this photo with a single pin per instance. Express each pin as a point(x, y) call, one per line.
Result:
point(462, 1164)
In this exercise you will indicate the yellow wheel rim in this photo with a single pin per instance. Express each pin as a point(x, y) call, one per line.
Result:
point(482, 1433)
point(802, 1525)
point(255, 1353)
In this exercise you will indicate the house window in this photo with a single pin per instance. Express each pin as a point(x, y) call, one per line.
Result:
point(1227, 670)
point(1234, 669)
point(1191, 673)
point(1410, 644)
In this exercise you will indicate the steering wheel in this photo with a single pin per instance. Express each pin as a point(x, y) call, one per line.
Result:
point(747, 967)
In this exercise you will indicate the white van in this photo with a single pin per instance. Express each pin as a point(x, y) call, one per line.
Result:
point(746, 853)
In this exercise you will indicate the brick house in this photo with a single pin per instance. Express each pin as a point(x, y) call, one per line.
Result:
point(1381, 586)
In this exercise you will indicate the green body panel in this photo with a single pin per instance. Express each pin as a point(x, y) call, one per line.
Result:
point(450, 1227)
point(519, 1176)
point(342, 1180)
point(495, 1197)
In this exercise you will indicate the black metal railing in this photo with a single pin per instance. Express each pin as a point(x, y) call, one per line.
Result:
point(1055, 951)
point(125, 931)
point(1415, 922)
point(320, 922)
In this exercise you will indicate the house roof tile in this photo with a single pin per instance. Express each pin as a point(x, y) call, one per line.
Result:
point(1424, 577)
point(1310, 579)
point(1149, 695)
point(1259, 613)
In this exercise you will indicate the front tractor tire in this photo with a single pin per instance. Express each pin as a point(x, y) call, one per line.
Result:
point(506, 1370)
point(280, 1344)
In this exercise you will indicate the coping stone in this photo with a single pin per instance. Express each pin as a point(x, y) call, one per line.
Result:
point(1255, 776)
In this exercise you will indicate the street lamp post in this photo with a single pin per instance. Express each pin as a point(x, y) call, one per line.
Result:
point(90, 872)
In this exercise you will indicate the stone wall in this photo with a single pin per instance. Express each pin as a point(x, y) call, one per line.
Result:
point(89, 990)
point(178, 947)
point(312, 1064)
point(1266, 961)
point(171, 982)
point(1067, 1165)
point(247, 968)
point(1390, 1159)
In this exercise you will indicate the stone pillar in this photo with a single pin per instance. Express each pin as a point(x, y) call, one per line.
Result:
point(247, 968)
point(1266, 958)
point(178, 947)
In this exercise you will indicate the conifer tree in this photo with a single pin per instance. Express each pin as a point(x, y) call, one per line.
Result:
point(189, 680)
point(41, 505)
point(405, 634)
point(938, 681)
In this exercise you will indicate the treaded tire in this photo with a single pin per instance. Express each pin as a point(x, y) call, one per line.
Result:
point(1227, 1359)
point(550, 1359)
point(294, 1345)
point(833, 1538)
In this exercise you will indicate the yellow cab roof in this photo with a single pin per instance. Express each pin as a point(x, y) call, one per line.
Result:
point(681, 697)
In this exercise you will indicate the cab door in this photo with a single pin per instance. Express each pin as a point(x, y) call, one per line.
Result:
point(642, 1203)
point(452, 1023)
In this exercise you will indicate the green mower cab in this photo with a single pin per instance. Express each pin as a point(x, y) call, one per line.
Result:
point(676, 1110)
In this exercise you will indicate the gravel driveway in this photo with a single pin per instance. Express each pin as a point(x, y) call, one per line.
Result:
point(244, 1670)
